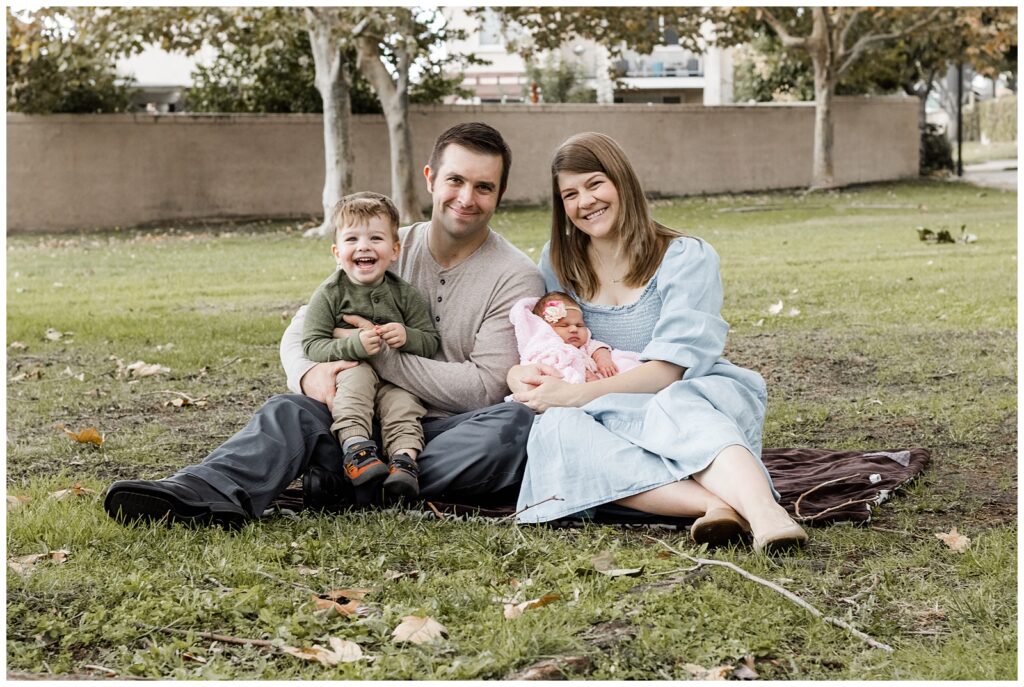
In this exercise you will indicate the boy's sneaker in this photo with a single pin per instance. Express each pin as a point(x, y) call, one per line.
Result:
point(362, 465)
point(403, 479)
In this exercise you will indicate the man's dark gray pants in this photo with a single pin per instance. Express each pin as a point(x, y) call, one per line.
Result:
point(476, 457)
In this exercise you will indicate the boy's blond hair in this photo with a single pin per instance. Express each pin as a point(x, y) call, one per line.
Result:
point(362, 207)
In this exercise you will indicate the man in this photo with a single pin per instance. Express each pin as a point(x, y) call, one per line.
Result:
point(476, 445)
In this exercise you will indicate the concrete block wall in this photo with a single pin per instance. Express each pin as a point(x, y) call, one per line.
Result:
point(70, 172)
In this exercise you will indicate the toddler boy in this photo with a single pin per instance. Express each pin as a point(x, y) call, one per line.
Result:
point(365, 245)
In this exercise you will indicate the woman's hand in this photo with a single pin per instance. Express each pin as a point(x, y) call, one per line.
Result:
point(554, 393)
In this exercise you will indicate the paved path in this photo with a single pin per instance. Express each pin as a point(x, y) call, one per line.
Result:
point(1001, 174)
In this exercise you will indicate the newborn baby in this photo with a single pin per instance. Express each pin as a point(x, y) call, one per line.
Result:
point(550, 330)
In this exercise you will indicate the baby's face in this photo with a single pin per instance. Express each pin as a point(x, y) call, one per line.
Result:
point(572, 329)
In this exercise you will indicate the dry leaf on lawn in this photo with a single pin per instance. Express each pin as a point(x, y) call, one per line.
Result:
point(18, 346)
point(143, 369)
point(513, 611)
point(17, 501)
point(341, 651)
point(346, 608)
point(391, 575)
point(23, 565)
point(954, 540)
point(89, 435)
point(76, 490)
point(53, 335)
point(775, 308)
point(604, 563)
point(702, 673)
point(418, 630)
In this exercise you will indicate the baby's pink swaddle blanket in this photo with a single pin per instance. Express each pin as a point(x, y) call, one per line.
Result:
point(538, 343)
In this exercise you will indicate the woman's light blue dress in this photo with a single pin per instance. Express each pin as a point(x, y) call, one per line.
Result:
point(624, 444)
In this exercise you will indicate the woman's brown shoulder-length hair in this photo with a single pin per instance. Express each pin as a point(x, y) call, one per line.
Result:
point(644, 241)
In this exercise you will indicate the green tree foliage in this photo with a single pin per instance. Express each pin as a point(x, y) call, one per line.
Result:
point(616, 28)
point(50, 70)
point(559, 82)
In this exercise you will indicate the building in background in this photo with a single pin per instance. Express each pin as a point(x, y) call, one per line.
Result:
point(671, 74)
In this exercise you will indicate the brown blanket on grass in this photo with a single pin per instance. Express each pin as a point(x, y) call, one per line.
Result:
point(817, 486)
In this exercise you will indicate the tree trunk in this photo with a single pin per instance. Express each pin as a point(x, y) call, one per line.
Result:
point(394, 99)
point(823, 175)
point(333, 83)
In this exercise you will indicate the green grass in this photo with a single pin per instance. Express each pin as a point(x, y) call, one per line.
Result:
point(897, 343)
point(976, 151)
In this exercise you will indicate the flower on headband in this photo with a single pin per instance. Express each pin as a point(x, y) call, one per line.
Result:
point(554, 311)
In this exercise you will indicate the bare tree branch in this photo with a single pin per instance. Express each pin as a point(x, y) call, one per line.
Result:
point(849, 26)
point(784, 592)
point(784, 35)
point(861, 45)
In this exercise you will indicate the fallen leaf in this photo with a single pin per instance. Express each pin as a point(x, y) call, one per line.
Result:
point(74, 491)
point(53, 335)
point(604, 563)
point(89, 435)
point(745, 669)
point(354, 594)
point(418, 630)
point(702, 673)
point(759, 323)
point(17, 501)
point(18, 346)
point(341, 651)
point(143, 369)
point(346, 608)
point(775, 308)
point(513, 610)
point(303, 570)
point(23, 565)
point(189, 656)
point(954, 540)
point(793, 312)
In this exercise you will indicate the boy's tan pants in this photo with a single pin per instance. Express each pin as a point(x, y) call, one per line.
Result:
point(360, 392)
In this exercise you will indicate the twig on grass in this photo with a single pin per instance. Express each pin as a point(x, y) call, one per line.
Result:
point(15, 675)
point(532, 505)
point(781, 590)
point(850, 502)
point(230, 362)
point(439, 514)
point(213, 636)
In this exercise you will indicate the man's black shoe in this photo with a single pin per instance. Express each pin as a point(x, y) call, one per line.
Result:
point(326, 490)
point(184, 498)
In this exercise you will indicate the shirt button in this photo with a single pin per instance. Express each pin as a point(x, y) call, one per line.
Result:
point(376, 299)
point(438, 299)
point(442, 281)
point(437, 319)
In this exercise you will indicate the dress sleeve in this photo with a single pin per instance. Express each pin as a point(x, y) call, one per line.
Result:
point(690, 331)
point(547, 272)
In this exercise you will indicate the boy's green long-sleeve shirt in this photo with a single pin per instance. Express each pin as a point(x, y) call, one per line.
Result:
point(394, 300)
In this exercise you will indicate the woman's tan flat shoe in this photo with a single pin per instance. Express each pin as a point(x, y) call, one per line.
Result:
point(780, 539)
point(719, 526)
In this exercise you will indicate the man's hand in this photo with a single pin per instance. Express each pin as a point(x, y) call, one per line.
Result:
point(319, 381)
point(605, 367)
point(393, 334)
point(525, 377)
point(371, 341)
point(343, 332)
point(358, 321)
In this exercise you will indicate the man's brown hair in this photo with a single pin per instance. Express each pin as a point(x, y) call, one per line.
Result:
point(362, 207)
point(480, 138)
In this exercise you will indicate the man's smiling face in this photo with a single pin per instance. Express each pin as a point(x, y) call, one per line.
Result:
point(464, 188)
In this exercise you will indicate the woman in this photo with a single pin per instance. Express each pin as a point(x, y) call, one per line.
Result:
point(680, 435)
